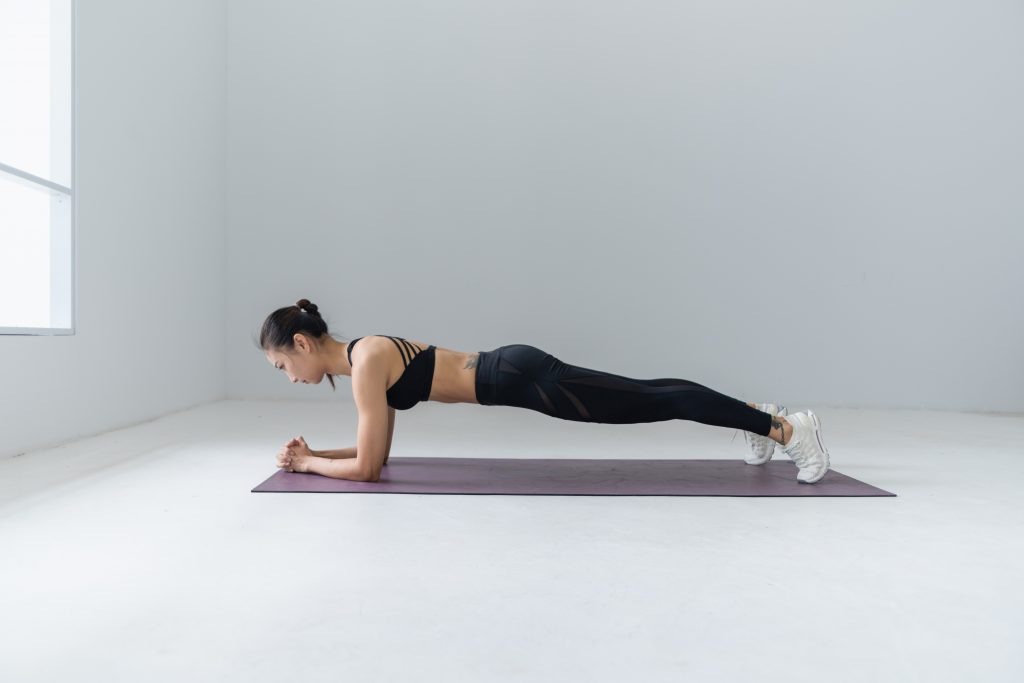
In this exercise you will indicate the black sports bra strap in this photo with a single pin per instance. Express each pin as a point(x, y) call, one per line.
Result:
point(408, 350)
point(404, 350)
point(350, 345)
point(413, 350)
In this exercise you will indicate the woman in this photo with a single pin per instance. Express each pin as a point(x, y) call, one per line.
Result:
point(391, 373)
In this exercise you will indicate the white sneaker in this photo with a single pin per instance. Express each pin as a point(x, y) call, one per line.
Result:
point(762, 447)
point(805, 447)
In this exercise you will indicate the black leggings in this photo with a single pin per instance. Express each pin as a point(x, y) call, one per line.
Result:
point(523, 376)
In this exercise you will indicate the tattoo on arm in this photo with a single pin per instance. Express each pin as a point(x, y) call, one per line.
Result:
point(471, 363)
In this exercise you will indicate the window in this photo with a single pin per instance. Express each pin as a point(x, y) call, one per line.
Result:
point(37, 264)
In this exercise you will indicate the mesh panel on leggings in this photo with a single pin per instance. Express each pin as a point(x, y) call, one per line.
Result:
point(547, 401)
point(578, 404)
point(505, 366)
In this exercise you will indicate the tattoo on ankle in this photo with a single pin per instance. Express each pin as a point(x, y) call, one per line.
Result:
point(778, 425)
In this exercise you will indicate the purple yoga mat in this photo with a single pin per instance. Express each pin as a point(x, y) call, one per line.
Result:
point(578, 477)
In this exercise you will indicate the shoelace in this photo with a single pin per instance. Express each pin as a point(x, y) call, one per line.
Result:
point(757, 439)
point(752, 438)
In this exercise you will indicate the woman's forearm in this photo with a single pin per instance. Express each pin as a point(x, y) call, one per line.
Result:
point(337, 469)
point(337, 453)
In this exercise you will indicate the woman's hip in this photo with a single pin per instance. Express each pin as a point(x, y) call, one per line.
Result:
point(510, 366)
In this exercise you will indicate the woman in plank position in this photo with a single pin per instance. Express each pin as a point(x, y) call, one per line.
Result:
point(391, 373)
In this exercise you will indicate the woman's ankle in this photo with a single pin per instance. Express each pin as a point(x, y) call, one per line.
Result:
point(782, 430)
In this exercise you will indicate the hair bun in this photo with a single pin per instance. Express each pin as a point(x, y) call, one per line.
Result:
point(307, 305)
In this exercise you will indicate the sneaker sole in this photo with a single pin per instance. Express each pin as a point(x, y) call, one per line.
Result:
point(828, 458)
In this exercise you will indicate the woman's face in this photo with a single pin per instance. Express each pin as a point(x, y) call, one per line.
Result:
point(301, 365)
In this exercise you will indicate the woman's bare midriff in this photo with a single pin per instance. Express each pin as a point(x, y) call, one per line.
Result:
point(454, 371)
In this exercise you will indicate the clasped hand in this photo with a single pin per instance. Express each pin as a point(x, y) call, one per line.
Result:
point(294, 456)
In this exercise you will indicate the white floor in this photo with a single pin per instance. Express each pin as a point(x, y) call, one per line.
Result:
point(142, 555)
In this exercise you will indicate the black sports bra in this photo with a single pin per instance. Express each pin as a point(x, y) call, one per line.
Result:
point(414, 384)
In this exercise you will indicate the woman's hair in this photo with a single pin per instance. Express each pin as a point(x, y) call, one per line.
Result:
point(281, 326)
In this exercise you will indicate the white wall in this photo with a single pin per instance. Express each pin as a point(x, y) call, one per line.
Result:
point(150, 231)
point(804, 202)
point(817, 203)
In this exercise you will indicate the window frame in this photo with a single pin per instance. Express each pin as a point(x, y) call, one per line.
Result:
point(20, 176)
